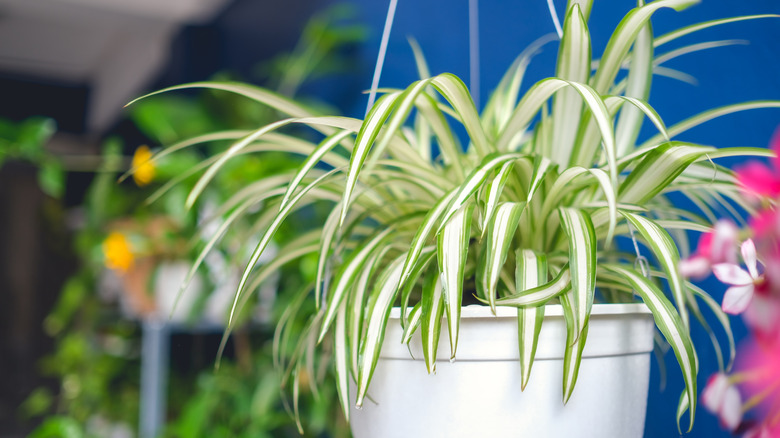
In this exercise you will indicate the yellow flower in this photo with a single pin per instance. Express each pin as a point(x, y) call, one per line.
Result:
point(144, 167)
point(116, 250)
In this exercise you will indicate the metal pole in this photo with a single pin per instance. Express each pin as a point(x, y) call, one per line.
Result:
point(154, 376)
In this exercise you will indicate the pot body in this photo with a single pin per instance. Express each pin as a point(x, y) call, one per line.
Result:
point(478, 394)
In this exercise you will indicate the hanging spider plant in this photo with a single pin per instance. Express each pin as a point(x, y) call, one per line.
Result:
point(546, 192)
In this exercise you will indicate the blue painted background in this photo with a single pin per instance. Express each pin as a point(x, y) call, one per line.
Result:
point(725, 75)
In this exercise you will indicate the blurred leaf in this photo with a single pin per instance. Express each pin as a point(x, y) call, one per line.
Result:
point(51, 178)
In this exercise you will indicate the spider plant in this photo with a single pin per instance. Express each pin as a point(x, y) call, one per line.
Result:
point(535, 208)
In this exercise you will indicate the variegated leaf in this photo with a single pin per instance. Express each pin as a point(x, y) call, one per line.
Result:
point(383, 296)
point(657, 170)
point(432, 311)
point(501, 230)
point(531, 272)
point(664, 249)
point(474, 181)
point(541, 294)
point(494, 189)
point(347, 276)
point(573, 64)
point(452, 250)
point(311, 160)
point(670, 324)
point(457, 94)
point(575, 342)
point(365, 138)
point(342, 354)
point(582, 262)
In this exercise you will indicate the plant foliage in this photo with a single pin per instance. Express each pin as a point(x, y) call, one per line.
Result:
point(529, 211)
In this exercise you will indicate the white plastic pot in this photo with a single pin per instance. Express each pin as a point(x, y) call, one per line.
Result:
point(478, 395)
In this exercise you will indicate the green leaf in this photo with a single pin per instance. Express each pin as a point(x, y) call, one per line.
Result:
point(452, 250)
point(420, 265)
point(268, 235)
point(698, 119)
point(670, 324)
point(494, 189)
point(503, 99)
point(539, 295)
point(722, 318)
point(677, 33)
point(664, 249)
point(575, 342)
point(640, 77)
point(420, 237)
point(474, 181)
point(357, 305)
point(574, 54)
point(227, 155)
point(582, 262)
point(311, 160)
point(412, 323)
point(274, 100)
point(365, 138)
point(51, 179)
point(609, 195)
point(531, 272)
point(623, 37)
point(501, 230)
point(658, 168)
point(341, 353)
point(457, 94)
point(347, 275)
point(382, 300)
point(432, 310)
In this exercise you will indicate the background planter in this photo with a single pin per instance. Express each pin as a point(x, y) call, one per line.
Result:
point(479, 393)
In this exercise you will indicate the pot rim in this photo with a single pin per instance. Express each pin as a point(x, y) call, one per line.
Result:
point(477, 311)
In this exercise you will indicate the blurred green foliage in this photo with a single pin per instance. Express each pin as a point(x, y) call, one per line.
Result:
point(97, 354)
point(25, 141)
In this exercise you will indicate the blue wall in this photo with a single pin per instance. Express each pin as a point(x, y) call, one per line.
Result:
point(725, 75)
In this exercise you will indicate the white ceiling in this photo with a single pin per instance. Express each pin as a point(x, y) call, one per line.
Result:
point(114, 46)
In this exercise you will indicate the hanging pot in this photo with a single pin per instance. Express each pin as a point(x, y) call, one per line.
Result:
point(479, 395)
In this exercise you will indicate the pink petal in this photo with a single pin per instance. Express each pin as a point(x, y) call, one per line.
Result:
point(724, 242)
point(749, 256)
point(714, 393)
point(737, 298)
point(731, 409)
point(774, 145)
point(695, 267)
point(758, 432)
point(757, 179)
point(763, 316)
point(730, 273)
point(765, 224)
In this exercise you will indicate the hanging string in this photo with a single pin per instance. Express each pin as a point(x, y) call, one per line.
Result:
point(382, 51)
point(554, 16)
point(641, 260)
point(474, 50)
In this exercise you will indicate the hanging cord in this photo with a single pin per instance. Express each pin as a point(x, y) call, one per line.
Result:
point(474, 50)
point(641, 260)
point(554, 16)
point(382, 51)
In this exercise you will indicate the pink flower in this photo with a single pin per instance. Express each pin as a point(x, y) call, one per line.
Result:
point(743, 283)
point(762, 431)
point(763, 318)
point(758, 179)
point(716, 246)
point(759, 382)
point(765, 225)
point(722, 399)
